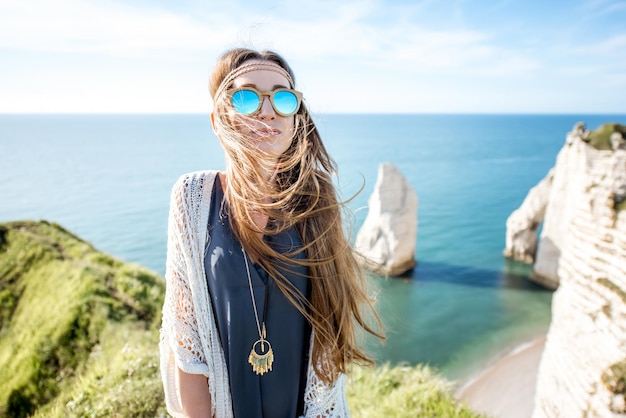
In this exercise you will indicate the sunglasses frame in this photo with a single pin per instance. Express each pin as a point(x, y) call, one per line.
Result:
point(269, 94)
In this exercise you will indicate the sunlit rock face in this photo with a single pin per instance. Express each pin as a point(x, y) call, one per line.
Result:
point(523, 223)
point(386, 242)
point(590, 166)
point(583, 250)
point(565, 189)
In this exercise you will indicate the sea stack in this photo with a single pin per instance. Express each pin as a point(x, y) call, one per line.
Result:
point(386, 241)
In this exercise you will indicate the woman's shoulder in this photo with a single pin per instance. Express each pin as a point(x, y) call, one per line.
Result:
point(195, 179)
point(196, 176)
point(193, 190)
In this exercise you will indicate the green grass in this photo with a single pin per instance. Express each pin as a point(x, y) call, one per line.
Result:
point(122, 380)
point(402, 391)
point(79, 334)
point(601, 137)
point(67, 312)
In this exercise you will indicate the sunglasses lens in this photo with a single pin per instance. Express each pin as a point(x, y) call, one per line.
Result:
point(286, 102)
point(245, 101)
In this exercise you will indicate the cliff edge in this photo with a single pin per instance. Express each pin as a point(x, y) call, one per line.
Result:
point(582, 251)
point(582, 369)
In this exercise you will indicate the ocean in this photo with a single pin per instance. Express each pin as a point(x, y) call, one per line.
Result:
point(107, 178)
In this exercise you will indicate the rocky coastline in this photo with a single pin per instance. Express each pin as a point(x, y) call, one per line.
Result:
point(582, 253)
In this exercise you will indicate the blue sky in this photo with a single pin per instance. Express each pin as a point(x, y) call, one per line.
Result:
point(518, 56)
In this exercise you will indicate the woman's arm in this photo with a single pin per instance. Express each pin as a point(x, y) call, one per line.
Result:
point(188, 393)
point(323, 400)
point(194, 394)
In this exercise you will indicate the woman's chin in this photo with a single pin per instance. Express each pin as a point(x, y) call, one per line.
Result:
point(272, 147)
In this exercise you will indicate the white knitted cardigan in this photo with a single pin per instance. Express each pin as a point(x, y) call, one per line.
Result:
point(189, 337)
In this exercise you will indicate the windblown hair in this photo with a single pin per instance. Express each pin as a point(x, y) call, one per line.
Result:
point(302, 195)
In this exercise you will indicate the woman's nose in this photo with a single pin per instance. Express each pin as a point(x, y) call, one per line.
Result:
point(267, 111)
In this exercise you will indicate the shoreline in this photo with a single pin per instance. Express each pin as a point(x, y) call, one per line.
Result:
point(506, 388)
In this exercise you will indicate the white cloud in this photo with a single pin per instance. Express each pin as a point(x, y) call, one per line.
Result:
point(157, 56)
point(599, 8)
point(598, 60)
point(350, 31)
point(402, 47)
point(613, 46)
point(71, 26)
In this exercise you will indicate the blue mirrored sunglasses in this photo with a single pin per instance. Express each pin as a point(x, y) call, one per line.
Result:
point(248, 100)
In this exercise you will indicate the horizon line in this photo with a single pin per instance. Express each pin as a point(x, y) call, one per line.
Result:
point(520, 113)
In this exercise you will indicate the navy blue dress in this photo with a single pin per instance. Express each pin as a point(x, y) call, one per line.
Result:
point(280, 392)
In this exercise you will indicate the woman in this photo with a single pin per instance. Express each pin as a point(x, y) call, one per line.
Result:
point(264, 296)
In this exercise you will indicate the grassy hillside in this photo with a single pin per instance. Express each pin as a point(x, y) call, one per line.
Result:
point(79, 333)
point(78, 329)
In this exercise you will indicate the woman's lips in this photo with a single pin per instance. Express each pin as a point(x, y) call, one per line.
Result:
point(267, 132)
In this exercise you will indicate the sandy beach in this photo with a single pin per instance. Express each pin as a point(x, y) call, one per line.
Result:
point(507, 388)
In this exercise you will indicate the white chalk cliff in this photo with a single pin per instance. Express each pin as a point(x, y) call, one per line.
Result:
point(579, 170)
point(570, 166)
point(582, 249)
point(523, 223)
point(386, 242)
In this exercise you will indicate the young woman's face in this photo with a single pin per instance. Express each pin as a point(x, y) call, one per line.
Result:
point(267, 130)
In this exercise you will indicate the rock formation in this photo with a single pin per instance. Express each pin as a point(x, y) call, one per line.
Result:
point(589, 163)
point(387, 239)
point(569, 166)
point(583, 250)
point(522, 224)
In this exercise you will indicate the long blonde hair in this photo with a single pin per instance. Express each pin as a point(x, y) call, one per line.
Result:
point(303, 196)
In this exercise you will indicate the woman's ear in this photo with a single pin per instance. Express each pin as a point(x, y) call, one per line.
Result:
point(213, 123)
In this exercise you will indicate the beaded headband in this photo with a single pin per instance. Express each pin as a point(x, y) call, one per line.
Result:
point(246, 68)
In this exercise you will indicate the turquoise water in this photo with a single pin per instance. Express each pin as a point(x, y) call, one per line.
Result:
point(107, 178)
